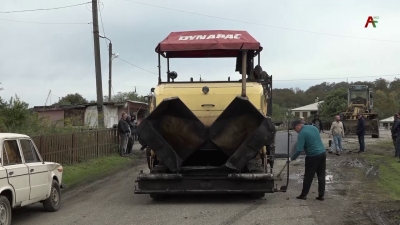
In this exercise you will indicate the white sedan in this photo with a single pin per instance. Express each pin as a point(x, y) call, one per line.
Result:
point(25, 178)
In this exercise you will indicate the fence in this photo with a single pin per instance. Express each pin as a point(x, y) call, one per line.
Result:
point(77, 147)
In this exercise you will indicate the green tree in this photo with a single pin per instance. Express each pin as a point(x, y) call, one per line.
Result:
point(13, 113)
point(381, 84)
point(72, 99)
point(395, 85)
point(123, 96)
point(278, 113)
point(385, 105)
point(334, 103)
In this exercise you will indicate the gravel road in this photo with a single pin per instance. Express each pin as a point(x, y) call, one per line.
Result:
point(112, 201)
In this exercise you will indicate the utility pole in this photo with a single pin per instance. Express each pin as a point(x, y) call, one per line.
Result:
point(99, 85)
point(110, 70)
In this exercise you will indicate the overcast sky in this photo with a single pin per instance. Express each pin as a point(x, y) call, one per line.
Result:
point(36, 58)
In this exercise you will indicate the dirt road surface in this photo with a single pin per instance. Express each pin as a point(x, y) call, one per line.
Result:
point(112, 201)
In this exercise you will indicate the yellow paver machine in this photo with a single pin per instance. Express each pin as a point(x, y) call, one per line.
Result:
point(209, 136)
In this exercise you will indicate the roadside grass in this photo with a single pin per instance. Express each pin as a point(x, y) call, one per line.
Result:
point(95, 169)
point(382, 156)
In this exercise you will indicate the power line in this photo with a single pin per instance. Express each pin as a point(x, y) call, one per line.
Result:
point(259, 24)
point(137, 66)
point(102, 25)
point(341, 78)
point(33, 10)
point(333, 78)
point(20, 21)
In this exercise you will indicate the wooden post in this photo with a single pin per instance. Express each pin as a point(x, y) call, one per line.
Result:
point(244, 71)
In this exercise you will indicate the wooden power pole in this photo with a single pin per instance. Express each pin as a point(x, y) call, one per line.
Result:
point(110, 55)
point(99, 85)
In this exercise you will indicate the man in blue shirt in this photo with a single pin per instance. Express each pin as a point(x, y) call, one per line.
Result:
point(309, 140)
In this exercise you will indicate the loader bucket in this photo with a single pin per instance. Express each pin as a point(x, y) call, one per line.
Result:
point(173, 132)
point(241, 131)
point(371, 127)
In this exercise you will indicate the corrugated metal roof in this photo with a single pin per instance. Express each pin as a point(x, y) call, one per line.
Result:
point(387, 120)
point(310, 107)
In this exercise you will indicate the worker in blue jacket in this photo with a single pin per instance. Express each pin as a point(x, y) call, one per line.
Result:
point(309, 140)
point(396, 129)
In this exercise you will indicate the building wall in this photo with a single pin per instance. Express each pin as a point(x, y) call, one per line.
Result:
point(301, 113)
point(304, 114)
point(387, 125)
point(56, 116)
point(110, 116)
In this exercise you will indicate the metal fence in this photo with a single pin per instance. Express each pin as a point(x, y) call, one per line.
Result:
point(77, 147)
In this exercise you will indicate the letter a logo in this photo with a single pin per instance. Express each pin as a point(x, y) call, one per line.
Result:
point(370, 20)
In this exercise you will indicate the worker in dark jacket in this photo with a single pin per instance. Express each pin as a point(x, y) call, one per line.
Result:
point(310, 141)
point(396, 134)
point(318, 123)
point(361, 132)
point(131, 140)
point(124, 133)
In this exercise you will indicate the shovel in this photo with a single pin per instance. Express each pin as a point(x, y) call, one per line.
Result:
point(279, 174)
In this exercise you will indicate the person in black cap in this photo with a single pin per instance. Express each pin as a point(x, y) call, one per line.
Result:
point(361, 132)
point(310, 141)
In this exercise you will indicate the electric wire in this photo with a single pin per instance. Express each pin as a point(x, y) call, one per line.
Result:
point(33, 10)
point(259, 24)
point(102, 25)
point(342, 78)
point(20, 21)
point(310, 79)
point(137, 66)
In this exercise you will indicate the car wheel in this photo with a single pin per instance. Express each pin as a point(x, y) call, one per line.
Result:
point(5, 211)
point(53, 202)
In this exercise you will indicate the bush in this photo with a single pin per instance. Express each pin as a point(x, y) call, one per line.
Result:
point(16, 117)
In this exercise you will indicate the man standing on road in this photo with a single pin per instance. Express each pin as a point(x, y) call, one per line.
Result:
point(131, 140)
point(318, 123)
point(337, 132)
point(124, 133)
point(361, 132)
point(396, 130)
point(394, 133)
point(310, 140)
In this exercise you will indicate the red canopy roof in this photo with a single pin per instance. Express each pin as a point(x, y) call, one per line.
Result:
point(207, 43)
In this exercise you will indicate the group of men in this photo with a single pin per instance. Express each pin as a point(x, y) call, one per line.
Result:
point(395, 130)
point(309, 140)
point(127, 128)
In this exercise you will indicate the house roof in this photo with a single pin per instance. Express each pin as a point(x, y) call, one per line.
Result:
point(310, 107)
point(144, 103)
point(64, 107)
point(387, 120)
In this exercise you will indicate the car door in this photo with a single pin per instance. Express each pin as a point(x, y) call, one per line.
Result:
point(17, 171)
point(38, 173)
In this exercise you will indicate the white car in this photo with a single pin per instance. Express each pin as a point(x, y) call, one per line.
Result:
point(25, 178)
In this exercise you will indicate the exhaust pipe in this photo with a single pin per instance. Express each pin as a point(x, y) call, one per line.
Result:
point(244, 70)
